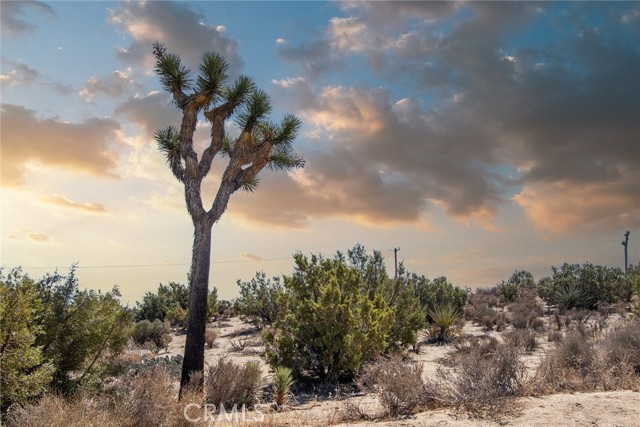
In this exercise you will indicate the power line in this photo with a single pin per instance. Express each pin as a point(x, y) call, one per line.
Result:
point(158, 265)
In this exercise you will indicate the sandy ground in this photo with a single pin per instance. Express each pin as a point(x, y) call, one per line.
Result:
point(602, 409)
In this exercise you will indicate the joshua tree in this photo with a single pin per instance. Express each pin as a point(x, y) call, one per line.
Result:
point(260, 143)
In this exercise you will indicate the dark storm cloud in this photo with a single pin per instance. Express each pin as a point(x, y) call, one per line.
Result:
point(182, 30)
point(12, 16)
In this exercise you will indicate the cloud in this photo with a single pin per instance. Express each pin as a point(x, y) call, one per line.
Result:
point(38, 237)
point(150, 112)
point(485, 118)
point(23, 75)
point(115, 84)
point(564, 207)
point(67, 203)
point(250, 257)
point(180, 28)
point(12, 12)
point(84, 147)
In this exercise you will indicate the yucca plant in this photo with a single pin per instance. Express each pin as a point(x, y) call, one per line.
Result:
point(570, 296)
point(282, 382)
point(444, 316)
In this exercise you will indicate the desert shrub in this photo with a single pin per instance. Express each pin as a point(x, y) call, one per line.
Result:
point(399, 293)
point(572, 366)
point(525, 310)
point(444, 317)
point(148, 399)
point(581, 363)
point(482, 383)
point(584, 286)
point(478, 346)
point(409, 314)
point(328, 327)
point(210, 337)
point(622, 345)
point(64, 335)
point(228, 384)
point(25, 373)
point(171, 365)
point(213, 310)
point(519, 280)
point(282, 382)
point(438, 293)
point(170, 302)
point(258, 299)
point(398, 385)
point(522, 338)
point(157, 333)
point(481, 309)
point(554, 336)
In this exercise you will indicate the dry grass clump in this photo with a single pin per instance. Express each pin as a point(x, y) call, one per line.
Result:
point(623, 345)
point(580, 363)
point(525, 339)
point(481, 309)
point(398, 385)
point(232, 384)
point(483, 382)
point(148, 399)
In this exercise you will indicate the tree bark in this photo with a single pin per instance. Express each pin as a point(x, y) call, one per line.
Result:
point(193, 363)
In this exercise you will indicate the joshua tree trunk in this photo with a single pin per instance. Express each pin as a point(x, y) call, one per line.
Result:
point(196, 322)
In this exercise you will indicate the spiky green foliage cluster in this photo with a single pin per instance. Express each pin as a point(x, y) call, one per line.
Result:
point(282, 382)
point(260, 143)
point(444, 316)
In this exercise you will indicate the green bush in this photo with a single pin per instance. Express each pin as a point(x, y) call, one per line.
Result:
point(55, 335)
point(584, 286)
point(157, 333)
point(399, 293)
point(258, 299)
point(170, 303)
point(25, 372)
point(438, 293)
point(519, 280)
point(81, 329)
point(327, 327)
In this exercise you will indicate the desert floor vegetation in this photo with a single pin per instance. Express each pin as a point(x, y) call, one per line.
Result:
point(491, 356)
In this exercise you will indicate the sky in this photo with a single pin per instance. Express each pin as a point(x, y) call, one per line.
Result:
point(480, 138)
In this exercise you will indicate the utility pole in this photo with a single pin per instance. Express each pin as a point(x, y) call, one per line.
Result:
point(395, 256)
point(625, 243)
